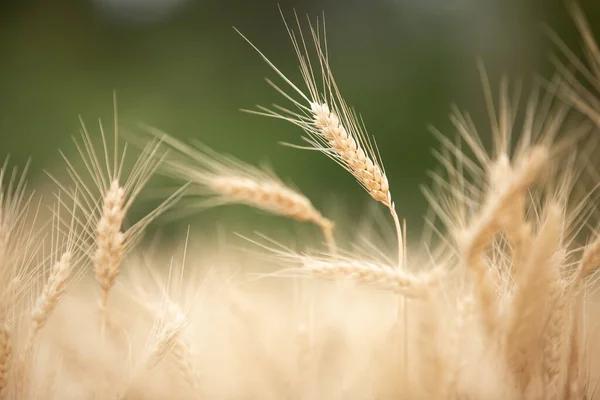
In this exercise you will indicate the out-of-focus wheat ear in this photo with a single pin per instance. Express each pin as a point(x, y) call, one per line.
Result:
point(331, 126)
point(6, 353)
point(20, 239)
point(575, 376)
point(165, 334)
point(231, 181)
point(480, 233)
point(67, 251)
point(465, 311)
point(378, 275)
point(534, 286)
point(105, 196)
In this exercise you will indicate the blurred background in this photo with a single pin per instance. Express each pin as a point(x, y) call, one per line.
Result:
point(180, 66)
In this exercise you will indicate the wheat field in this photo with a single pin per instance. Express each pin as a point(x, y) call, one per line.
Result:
point(497, 301)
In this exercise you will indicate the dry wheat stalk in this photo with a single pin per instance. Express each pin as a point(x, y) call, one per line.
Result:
point(233, 181)
point(184, 362)
point(6, 352)
point(330, 124)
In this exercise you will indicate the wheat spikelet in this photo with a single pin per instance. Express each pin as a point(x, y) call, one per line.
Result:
point(51, 294)
point(110, 248)
point(330, 124)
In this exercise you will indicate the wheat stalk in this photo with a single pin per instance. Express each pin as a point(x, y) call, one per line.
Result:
point(6, 351)
point(331, 126)
point(379, 275)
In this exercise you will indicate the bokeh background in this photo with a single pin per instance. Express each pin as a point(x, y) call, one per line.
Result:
point(180, 66)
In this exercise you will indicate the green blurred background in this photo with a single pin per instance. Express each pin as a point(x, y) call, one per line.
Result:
point(179, 65)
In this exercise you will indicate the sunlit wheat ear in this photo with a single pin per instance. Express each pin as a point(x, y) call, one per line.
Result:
point(164, 337)
point(380, 276)
point(67, 252)
point(331, 126)
point(105, 197)
point(230, 181)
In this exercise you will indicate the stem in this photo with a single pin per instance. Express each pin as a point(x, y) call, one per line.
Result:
point(399, 235)
point(327, 229)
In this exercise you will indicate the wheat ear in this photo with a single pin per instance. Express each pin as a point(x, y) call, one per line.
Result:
point(527, 312)
point(110, 247)
point(165, 335)
point(381, 276)
point(330, 124)
point(484, 228)
point(230, 181)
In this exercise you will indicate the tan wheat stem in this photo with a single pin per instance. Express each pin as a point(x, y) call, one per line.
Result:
point(185, 363)
point(574, 386)
point(5, 358)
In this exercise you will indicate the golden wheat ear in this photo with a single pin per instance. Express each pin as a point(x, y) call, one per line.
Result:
point(20, 244)
point(331, 126)
point(59, 270)
point(106, 195)
point(223, 179)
